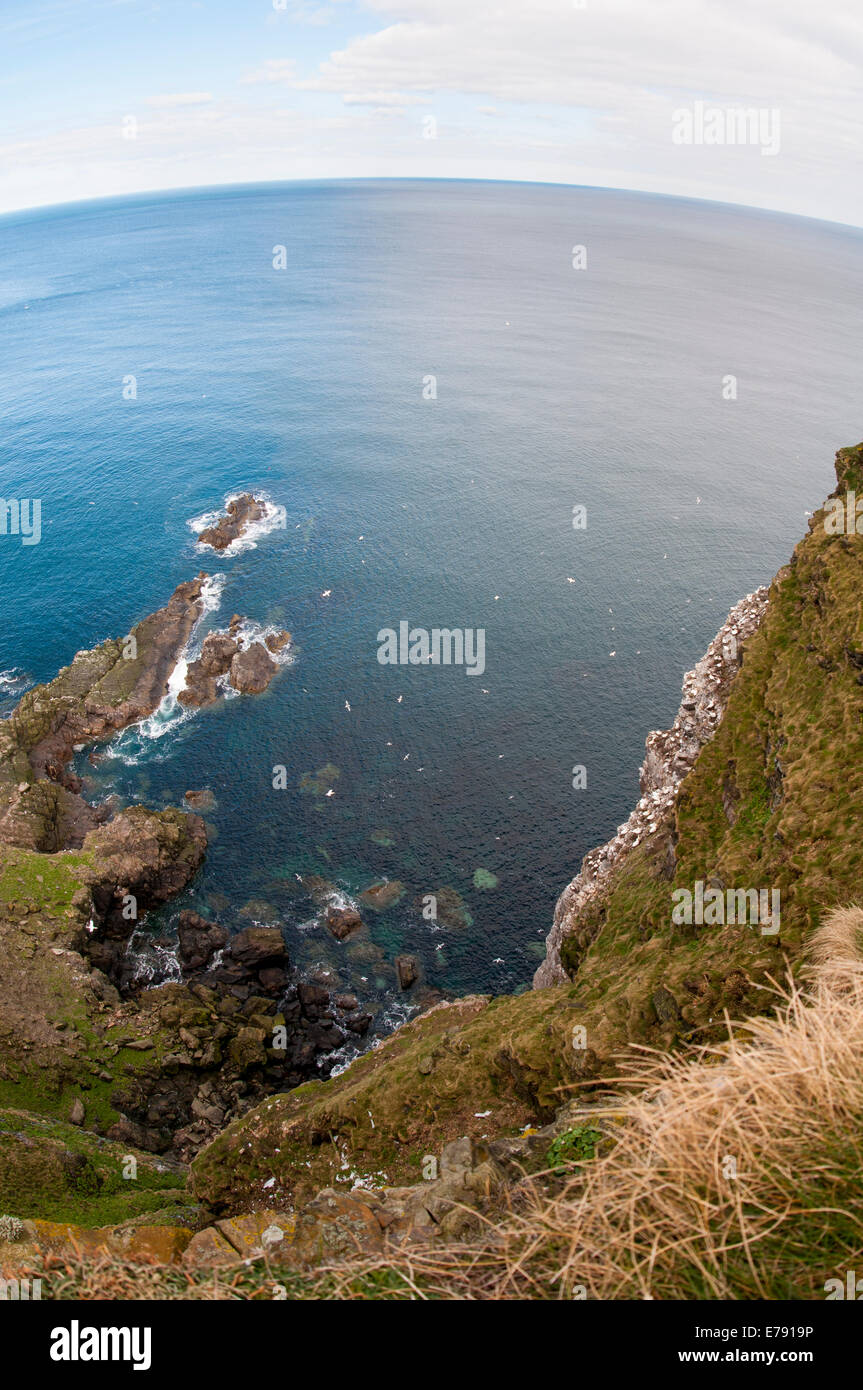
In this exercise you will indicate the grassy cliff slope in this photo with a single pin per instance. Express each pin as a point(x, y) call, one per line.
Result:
point(773, 802)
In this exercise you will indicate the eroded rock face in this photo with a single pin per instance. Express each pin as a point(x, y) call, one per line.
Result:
point(670, 755)
point(239, 515)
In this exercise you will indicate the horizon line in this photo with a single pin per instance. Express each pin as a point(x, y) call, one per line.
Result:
point(203, 190)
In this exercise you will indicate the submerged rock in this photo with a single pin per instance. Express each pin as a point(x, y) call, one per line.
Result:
point(322, 781)
point(382, 896)
point(449, 906)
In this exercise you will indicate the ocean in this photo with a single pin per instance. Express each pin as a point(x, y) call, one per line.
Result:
point(429, 386)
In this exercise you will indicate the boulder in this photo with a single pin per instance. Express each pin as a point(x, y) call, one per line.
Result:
point(407, 970)
point(256, 947)
point(343, 921)
point(276, 641)
point(199, 940)
point(252, 670)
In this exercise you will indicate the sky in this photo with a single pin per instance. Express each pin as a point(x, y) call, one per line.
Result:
point(109, 97)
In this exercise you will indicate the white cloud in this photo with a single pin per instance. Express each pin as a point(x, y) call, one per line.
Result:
point(170, 100)
point(273, 70)
point(577, 95)
point(383, 99)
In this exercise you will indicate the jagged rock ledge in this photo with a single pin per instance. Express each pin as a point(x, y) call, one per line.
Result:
point(670, 754)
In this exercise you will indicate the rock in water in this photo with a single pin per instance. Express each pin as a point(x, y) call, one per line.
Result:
point(407, 969)
point(217, 653)
point(383, 895)
point(343, 921)
point(277, 640)
point(240, 513)
point(252, 670)
point(199, 940)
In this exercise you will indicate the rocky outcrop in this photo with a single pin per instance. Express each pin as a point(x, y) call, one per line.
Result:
point(252, 670)
point(160, 1069)
point(670, 755)
point(247, 668)
point(202, 676)
point(198, 941)
point(140, 859)
point(343, 921)
point(100, 693)
point(240, 513)
point(277, 641)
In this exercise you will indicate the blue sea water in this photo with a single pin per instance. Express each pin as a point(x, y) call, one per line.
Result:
point(554, 387)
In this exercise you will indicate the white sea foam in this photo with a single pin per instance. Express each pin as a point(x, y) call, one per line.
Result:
point(391, 1017)
point(137, 741)
point(13, 681)
point(211, 592)
point(274, 519)
point(153, 963)
point(251, 631)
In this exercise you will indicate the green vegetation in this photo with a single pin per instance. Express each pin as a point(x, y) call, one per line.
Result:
point(573, 1147)
point(58, 1172)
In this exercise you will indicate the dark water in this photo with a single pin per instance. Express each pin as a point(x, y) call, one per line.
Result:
point(555, 387)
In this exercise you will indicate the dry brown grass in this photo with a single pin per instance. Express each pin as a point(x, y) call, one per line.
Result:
point(736, 1173)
